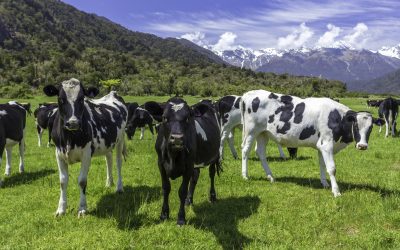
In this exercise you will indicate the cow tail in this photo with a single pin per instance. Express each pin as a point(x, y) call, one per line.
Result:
point(218, 166)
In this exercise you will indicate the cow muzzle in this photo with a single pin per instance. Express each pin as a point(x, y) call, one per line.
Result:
point(176, 141)
point(72, 125)
point(361, 146)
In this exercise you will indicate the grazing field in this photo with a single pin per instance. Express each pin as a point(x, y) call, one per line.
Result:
point(294, 212)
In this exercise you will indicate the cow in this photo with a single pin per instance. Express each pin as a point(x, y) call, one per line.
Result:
point(374, 103)
point(85, 127)
point(138, 117)
point(44, 119)
point(188, 138)
point(12, 132)
point(230, 118)
point(388, 110)
point(319, 123)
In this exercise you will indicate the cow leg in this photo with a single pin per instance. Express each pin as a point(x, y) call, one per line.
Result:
point(262, 141)
point(63, 172)
point(387, 126)
point(231, 141)
point(183, 190)
point(322, 170)
point(39, 133)
point(141, 133)
point(120, 149)
point(380, 128)
point(8, 160)
point(82, 181)
point(327, 154)
point(151, 129)
point(50, 131)
point(281, 153)
point(21, 154)
point(224, 136)
point(247, 143)
point(213, 194)
point(192, 186)
point(166, 188)
point(110, 179)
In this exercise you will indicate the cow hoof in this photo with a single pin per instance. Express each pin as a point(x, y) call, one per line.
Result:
point(245, 177)
point(270, 178)
point(213, 198)
point(110, 184)
point(188, 202)
point(81, 213)
point(7, 173)
point(337, 194)
point(181, 222)
point(1, 184)
point(59, 213)
point(164, 217)
point(119, 190)
point(325, 184)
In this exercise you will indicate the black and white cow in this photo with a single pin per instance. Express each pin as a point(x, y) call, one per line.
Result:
point(83, 128)
point(230, 117)
point(138, 117)
point(320, 123)
point(188, 138)
point(44, 118)
point(374, 103)
point(388, 110)
point(12, 132)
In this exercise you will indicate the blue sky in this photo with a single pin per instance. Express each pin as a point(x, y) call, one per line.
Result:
point(258, 24)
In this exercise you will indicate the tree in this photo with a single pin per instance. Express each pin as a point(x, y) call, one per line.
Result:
point(110, 83)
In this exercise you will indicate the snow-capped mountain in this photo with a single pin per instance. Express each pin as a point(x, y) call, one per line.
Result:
point(340, 61)
point(391, 51)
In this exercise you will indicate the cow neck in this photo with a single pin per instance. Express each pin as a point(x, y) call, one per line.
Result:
point(347, 132)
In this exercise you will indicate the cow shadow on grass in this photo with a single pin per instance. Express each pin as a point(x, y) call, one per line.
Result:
point(222, 218)
point(278, 158)
point(26, 177)
point(124, 206)
point(343, 186)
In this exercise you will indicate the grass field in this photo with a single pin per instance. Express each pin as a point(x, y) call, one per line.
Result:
point(295, 212)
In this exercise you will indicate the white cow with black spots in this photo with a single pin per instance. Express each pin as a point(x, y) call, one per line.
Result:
point(320, 123)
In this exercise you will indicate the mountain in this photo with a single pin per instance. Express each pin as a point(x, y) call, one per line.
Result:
point(47, 41)
point(341, 62)
point(387, 84)
point(391, 51)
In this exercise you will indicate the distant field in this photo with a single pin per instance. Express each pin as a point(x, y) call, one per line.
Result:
point(294, 212)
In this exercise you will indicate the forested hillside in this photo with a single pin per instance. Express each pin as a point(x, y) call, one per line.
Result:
point(46, 41)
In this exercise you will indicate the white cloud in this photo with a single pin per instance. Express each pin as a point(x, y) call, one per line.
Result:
point(197, 37)
point(328, 38)
point(226, 42)
point(358, 37)
point(297, 38)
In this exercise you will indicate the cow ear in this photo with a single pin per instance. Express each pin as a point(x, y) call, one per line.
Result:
point(50, 90)
point(154, 108)
point(200, 109)
point(378, 121)
point(92, 92)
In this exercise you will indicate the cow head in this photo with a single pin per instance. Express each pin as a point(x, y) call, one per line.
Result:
point(360, 125)
point(176, 121)
point(71, 101)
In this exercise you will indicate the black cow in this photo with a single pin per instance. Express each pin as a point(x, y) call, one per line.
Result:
point(84, 128)
point(388, 110)
point(188, 138)
point(12, 132)
point(44, 116)
point(374, 103)
point(138, 117)
point(156, 109)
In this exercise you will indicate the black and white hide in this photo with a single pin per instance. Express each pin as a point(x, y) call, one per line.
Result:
point(388, 110)
point(44, 119)
point(83, 128)
point(320, 123)
point(188, 138)
point(12, 132)
point(138, 117)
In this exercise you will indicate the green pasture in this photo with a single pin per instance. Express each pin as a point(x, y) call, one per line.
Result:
point(295, 212)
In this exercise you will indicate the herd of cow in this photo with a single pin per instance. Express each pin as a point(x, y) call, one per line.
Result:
point(188, 137)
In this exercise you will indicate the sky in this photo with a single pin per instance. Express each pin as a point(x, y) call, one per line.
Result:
point(258, 24)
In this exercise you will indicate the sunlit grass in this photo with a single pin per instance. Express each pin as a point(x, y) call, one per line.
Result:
point(293, 212)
